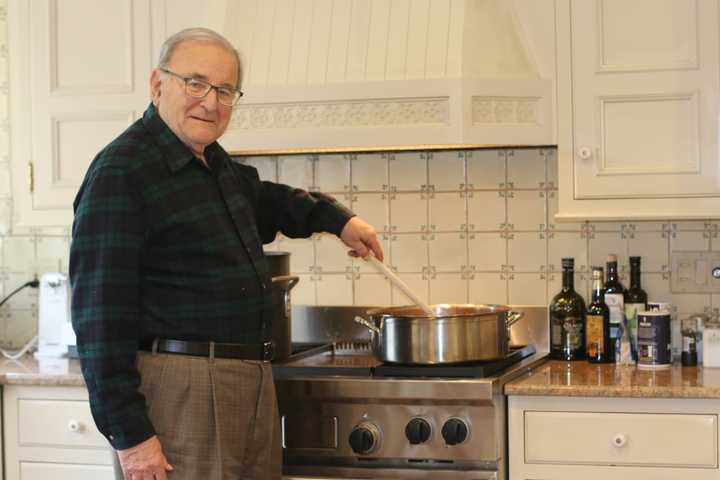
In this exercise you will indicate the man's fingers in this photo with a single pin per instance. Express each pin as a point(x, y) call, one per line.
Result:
point(376, 248)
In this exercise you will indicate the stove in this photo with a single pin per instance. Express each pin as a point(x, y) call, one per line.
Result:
point(346, 415)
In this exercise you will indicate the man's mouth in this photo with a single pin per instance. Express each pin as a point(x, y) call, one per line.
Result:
point(203, 119)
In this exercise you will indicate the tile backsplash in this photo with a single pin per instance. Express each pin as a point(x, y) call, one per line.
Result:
point(457, 225)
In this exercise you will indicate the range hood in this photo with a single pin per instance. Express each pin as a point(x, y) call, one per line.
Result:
point(357, 74)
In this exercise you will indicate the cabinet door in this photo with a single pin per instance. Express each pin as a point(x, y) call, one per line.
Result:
point(645, 98)
point(79, 78)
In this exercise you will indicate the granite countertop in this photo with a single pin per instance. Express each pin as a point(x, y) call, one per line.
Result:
point(583, 379)
point(28, 370)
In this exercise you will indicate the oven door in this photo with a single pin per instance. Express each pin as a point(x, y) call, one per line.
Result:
point(343, 473)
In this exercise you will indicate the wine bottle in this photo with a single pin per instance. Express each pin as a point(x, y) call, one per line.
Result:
point(567, 318)
point(635, 301)
point(598, 342)
point(614, 299)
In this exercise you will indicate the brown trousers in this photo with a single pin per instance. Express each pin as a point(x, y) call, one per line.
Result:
point(217, 419)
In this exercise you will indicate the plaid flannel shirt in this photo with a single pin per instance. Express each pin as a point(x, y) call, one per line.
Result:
point(165, 247)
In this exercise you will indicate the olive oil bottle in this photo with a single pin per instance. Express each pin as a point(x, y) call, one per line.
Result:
point(598, 342)
point(567, 318)
point(635, 301)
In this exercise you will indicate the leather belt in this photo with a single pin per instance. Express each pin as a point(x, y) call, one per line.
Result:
point(243, 351)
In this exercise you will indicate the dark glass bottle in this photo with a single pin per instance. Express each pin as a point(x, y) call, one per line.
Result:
point(567, 318)
point(598, 342)
point(614, 293)
point(635, 301)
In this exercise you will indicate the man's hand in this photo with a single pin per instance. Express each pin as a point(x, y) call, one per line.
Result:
point(144, 461)
point(360, 236)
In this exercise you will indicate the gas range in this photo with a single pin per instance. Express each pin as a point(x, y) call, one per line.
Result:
point(346, 415)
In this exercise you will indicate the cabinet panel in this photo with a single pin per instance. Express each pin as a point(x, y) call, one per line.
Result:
point(621, 439)
point(75, 85)
point(631, 40)
point(59, 471)
point(595, 438)
point(57, 423)
point(638, 108)
point(70, 33)
point(642, 96)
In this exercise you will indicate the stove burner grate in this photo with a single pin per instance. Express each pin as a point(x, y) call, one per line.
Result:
point(462, 370)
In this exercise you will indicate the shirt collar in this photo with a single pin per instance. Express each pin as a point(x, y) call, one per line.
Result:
point(176, 153)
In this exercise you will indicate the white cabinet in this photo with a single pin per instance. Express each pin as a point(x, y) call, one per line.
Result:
point(49, 433)
point(563, 438)
point(638, 109)
point(78, 77)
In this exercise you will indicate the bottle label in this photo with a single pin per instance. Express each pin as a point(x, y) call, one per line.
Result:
point(566, 333)
point(688, 344)
point(556, 333)
point(573, 327)
point(595, 343)
point(614, 301)
point(631, 311)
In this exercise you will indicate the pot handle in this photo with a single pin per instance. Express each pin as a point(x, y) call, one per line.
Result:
point(291, 279)
point(513, 317)
point(367, 325)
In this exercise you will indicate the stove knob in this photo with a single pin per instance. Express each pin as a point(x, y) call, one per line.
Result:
point(364, 438)
point(455, 431)
point(417, 431)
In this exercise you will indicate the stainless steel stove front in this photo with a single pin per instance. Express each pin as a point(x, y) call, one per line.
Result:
point(376, 426)
point(321, 412)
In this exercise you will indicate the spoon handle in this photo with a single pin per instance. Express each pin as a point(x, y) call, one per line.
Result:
point(382, 268)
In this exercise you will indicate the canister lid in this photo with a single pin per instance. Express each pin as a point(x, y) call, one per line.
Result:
point(654, 313)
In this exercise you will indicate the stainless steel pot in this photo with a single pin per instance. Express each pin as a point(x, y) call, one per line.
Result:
point(282, 283)
point(456, 334)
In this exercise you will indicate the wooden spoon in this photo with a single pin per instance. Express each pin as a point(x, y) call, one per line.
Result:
point(382, 268)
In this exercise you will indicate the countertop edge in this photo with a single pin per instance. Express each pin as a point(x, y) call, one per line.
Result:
point(706, 393)
point(42, 379)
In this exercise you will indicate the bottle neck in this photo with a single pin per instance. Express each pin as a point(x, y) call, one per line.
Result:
point(568, 280)
point(597, 290)
point(612, 275)
point(635, 276)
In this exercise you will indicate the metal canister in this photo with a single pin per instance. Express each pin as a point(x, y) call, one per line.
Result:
point(654, 349)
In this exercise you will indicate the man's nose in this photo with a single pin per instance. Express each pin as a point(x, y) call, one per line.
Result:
point(210, 101)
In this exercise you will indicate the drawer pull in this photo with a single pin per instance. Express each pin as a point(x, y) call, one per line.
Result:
point(75, 426)
point(619, 440)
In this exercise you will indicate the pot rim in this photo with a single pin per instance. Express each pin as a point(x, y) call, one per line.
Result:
point(458, 310)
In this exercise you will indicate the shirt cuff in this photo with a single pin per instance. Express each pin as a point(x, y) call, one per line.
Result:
point(129, 435)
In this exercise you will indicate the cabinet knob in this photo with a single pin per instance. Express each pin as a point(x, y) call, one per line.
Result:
point(584, 153)
point(619, 440)
point(74, 426)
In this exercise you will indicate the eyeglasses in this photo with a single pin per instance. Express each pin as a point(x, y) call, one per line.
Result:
point(197, 88)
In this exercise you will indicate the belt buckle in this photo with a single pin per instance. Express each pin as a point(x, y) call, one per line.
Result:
point(268, 351)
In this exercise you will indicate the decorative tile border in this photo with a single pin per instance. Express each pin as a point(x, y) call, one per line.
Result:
point(361, 113)
point(505, 110)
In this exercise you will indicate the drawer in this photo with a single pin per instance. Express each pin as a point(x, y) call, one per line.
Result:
point(61, 423)
point(641, 439)
point(60, 471)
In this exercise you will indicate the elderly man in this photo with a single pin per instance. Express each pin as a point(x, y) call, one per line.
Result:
point(171, 291)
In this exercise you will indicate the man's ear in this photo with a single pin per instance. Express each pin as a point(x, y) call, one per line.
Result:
point(155, 86)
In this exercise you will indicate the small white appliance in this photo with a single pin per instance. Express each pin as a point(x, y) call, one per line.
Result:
point(55, 332)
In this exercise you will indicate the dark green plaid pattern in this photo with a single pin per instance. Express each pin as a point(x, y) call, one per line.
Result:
point(166, 247)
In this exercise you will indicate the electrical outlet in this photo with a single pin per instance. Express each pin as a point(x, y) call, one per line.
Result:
point(695, 272)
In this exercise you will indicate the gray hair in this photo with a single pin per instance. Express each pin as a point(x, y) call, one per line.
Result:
point(197, 35)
